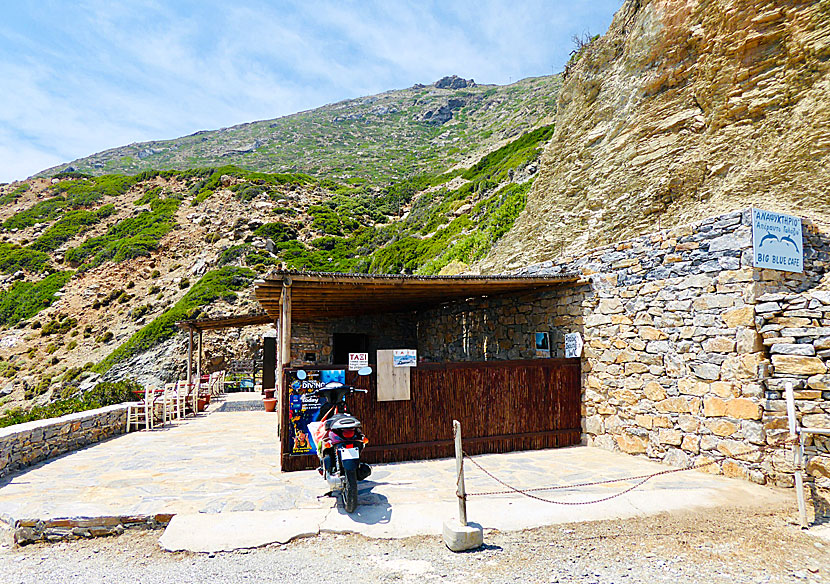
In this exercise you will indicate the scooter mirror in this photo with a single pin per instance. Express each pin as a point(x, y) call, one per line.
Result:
point(364, 371)
point(301, 374)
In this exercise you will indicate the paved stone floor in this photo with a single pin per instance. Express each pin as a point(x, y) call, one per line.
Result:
point(226, 461)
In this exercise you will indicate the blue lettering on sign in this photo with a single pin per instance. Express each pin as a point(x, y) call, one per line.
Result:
point(777, 241)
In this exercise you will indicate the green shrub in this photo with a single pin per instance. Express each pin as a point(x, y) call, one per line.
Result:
point(15, 194)
point(278, 232)
point(70, 225)
point(60, 325)
point(184, 283)
point(25, 299)
point(72, 345)
point(129, 238)
point(232, 254)
point(103, 394)
point(14, 258)
point(104, 338)
point(155, 274)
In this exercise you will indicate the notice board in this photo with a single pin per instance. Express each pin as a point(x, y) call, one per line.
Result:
point(393, 382)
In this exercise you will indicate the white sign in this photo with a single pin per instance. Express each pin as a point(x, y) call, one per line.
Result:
point(777, 241)
point(358, 361)
point(404, 358)
point(573, 345)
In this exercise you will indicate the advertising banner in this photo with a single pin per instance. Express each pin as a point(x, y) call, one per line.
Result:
point(304, 407)
point(777, 241)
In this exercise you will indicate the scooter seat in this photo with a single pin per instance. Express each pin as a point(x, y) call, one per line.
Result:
point(343, 422)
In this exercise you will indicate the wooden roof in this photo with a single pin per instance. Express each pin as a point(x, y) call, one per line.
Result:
point(212, 324)
point(320, 295)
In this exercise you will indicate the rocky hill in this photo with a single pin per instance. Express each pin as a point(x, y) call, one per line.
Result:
point(680, 111)
point(390, 136)
point(96, 271)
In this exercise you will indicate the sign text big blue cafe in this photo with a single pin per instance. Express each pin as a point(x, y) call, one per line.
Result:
point(777, 241)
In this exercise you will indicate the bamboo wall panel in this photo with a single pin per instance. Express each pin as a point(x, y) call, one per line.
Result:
point(502, 406)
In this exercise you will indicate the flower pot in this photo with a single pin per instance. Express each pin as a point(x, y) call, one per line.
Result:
point(269, 393)
point(270, 404)
point(201, 404)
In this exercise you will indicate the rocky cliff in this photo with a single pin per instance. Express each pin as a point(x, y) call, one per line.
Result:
point(683, 109)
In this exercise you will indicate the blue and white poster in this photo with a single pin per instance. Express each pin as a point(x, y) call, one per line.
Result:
point(777, 241)
point(304, 407)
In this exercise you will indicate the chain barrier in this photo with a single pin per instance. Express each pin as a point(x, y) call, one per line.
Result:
point(643, 479)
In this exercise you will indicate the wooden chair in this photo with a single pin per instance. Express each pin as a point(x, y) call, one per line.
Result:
point(142, 412)
point(185, 392)
point(171, 407)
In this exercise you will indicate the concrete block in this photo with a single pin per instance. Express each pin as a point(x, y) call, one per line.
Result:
point(460, 538)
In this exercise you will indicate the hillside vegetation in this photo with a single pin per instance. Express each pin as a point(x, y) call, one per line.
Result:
point(374, 140)
point(100, 268)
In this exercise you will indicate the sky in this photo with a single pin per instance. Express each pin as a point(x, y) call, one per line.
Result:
point(81, 76)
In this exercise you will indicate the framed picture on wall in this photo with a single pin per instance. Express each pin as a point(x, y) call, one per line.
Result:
point(543, 345)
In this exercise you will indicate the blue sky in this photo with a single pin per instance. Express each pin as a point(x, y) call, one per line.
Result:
point(80, 77)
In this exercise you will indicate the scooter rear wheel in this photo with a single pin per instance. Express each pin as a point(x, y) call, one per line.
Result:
point(350, 491)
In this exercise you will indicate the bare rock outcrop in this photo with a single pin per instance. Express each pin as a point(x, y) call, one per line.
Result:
point(683, 109)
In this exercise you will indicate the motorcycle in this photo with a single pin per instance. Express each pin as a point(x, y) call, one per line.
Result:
point(340, 441)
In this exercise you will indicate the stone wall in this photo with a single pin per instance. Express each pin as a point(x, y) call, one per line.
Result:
point(497, 328)
point(23, 445)
point(386, 331)
point(675, 365)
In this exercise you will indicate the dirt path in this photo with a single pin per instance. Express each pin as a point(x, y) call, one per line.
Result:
point(716, 546)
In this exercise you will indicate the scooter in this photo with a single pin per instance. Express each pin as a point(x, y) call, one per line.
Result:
point(340, 441)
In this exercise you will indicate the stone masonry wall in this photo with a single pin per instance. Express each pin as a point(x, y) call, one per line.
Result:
point(497, 328)
point(387, 331)
point(675, 365)
point(23, 445)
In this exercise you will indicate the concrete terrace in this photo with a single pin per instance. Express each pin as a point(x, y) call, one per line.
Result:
point(218, 475)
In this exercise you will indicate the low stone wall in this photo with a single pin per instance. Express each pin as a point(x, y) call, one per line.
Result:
point(28, 531)
point(23, 445)
point(687, 346)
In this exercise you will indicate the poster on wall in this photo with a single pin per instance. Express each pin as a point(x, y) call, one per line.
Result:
point(404, 358)
point(573, 345)
point(542, 345)
point(304, 407)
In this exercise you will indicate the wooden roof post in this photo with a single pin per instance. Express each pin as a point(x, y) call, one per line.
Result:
point(284, 356)
point(189, 355)
point(198, 374)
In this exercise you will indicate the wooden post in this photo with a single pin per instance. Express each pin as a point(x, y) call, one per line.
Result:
point(798, 454)
point(284, 358)
point(198, 376)
point(459, 469)
point(189, 355)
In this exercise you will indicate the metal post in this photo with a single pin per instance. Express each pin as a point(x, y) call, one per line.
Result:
point(459, 469)
point(798, 454)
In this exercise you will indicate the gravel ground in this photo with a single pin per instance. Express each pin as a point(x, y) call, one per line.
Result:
point(705, 547)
